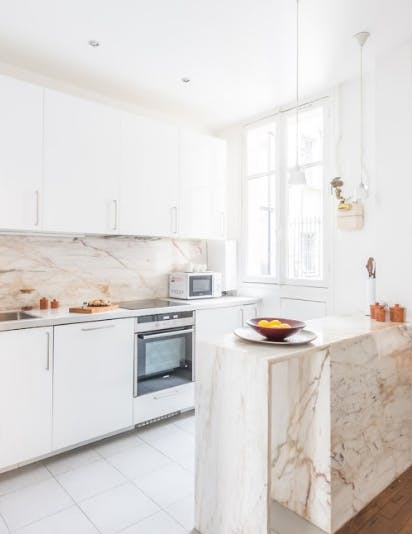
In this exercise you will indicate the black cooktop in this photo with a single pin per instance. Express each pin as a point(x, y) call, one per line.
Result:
point(150, 303)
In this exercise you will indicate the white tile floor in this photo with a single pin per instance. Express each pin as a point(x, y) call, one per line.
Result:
point(140, 482)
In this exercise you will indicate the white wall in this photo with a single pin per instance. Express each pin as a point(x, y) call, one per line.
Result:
point(387, 234)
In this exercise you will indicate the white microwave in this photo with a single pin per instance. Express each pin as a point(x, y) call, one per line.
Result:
point(195, 285)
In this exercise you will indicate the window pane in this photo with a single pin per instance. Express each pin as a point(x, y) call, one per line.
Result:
point(305, 227)
point(260, 149)
point(310, 136)
point(260, 227)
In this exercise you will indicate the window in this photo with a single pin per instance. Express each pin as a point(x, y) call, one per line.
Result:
point(296, 252)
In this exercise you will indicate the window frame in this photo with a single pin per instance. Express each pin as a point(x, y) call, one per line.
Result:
point(280, 210)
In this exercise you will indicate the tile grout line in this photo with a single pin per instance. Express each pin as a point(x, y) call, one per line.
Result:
point(74, 502)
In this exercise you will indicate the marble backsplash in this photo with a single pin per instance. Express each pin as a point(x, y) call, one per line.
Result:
point(75, 269)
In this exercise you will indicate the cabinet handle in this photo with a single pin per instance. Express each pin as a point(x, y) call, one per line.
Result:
point(98, 328)
point(242, 313)
point(115, 206)
point(173, 212)
point(48, 351)
point(36, 208)
point(172, 394)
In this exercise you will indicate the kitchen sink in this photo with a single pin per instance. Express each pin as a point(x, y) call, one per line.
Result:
point(15, 316)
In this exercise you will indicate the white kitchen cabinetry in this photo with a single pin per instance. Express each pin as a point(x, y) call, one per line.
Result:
point(82, 151)
point(25, 395)
point(216, 322)
point(201, 212)
point(93, 380)
point(149, 180)
point(21, 131)
point(164, 402)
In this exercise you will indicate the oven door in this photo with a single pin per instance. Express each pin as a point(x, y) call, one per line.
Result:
point(201, 285)
point(163, 360)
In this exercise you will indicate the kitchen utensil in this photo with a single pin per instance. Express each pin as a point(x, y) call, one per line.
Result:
point(276, 334)
point(300, 338)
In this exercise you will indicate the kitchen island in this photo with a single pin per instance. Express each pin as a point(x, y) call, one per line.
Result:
point(316, 431)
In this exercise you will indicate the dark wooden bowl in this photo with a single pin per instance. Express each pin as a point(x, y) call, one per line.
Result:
point(276, 334)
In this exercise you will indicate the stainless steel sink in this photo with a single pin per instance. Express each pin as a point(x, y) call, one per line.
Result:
point(15, 316)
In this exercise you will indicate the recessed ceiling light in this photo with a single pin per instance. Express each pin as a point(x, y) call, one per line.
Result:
point(185, 80)
point(94, 43)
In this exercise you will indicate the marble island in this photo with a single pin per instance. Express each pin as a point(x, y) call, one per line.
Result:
point(298, 440)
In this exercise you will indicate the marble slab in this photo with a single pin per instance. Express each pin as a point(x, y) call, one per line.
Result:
point(75, 269)
point(320, 430)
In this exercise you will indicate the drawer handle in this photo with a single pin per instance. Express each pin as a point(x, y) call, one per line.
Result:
point(98, 328)
point(159, 397)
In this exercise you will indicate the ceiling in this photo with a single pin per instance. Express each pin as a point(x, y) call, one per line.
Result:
point(239, 54)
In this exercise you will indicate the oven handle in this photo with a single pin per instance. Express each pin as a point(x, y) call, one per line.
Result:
point(166, 334)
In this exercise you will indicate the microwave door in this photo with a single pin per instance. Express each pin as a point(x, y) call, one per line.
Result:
point(201, 286)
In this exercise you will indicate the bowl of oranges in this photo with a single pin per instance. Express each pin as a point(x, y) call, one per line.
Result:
point(276, 329)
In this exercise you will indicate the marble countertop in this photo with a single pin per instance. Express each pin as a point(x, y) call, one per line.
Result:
point(331, 329)
point(43, 318)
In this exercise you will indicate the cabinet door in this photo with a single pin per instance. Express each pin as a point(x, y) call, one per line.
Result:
point(249, 311)
point(93, 380)
point(25, 395)
point(148, 200)
point(81, 165)
point(211, 324)
point(202, 177)
point(21, 134)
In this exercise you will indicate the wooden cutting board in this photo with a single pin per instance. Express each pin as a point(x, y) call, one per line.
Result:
point(94, 309)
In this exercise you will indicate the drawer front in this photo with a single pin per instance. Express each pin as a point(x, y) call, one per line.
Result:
point(163, 402)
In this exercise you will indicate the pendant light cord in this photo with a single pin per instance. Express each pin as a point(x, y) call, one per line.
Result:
point(297, 84)
point(361, 116)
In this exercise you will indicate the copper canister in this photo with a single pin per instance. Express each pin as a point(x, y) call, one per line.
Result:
point(54, 304)
point(380, 313)
point(373, 310)
point(397, 314)
point(44, 303)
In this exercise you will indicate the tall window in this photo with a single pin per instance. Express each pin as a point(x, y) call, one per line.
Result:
point(284, 223)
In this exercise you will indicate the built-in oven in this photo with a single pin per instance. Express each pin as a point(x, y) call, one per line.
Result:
point(164, 347)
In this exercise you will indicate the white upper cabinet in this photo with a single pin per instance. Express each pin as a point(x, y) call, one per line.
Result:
point(149, 179)
point(82, 155)
point(21, 132)
point(202, 175)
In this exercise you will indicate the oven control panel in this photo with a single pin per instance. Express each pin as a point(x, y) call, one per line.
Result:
point(160, 321)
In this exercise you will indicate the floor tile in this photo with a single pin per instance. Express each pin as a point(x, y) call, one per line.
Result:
point(32, 503)
point(90, 479)
point(22, 477)
point(138, 461)
point(111, 446)
point(152, 433)
point(160, 523)
point(178, 445)
point(186, 423)
point(70, 460)
point(167, 484)
point(118, 508)
point(69, 521)
point(183, 511)
point(3, 527)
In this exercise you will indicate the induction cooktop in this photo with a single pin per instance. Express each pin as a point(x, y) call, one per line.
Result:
point(150, 303)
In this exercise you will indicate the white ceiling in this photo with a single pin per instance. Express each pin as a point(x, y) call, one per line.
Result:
point(239, 54)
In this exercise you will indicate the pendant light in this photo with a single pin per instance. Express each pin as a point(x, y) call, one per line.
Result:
point(363, 188)
point(296, 174)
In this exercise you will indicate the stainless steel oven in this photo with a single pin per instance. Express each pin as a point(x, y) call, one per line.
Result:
point(164, 347)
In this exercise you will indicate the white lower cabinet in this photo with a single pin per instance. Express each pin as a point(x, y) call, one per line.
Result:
point(25, 395)
point(93, 380)
point(220, 321)
point(164, 402)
